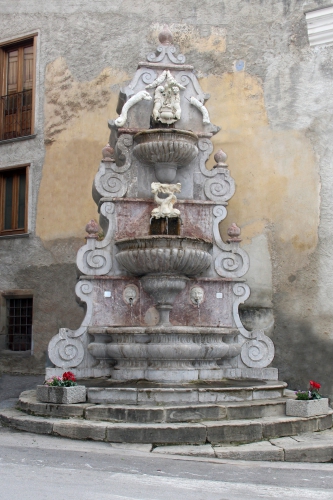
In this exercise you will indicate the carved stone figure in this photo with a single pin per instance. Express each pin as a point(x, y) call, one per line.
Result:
point(165, 208)
point(197, 295)
point(130, 294)
point(121, 120)
point(166, 98)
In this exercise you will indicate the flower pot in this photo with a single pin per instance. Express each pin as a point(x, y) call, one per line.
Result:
point(61, 395)
point(307, 408)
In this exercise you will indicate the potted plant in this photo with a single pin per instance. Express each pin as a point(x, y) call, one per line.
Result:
point(61, 390)
point(307, 403)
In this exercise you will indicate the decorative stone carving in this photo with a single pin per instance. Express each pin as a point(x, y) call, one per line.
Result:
point(185, 77)
point(257, 349)
point(147, 75)
point(219, 186)
point(66, 349)
point(165, 208)
point(228, 264)
point(202, 109)
point(92, 229)
point(131, 294)
point(166, 49)
point(197, 295)
point(108, 153)
point(234, 233)
point(94, 258)
point(166, 98)
point(143, 94)
point(109, 181)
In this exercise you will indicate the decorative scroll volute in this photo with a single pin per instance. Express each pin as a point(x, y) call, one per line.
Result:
point(219, 186)
point(95, 257)
point(66, 349)
point(109, 180)
point(257, 349)
point(231, 262)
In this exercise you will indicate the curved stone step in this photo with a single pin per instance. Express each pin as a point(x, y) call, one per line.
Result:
point(154, 414)
point(187, 394)
point(214, 432)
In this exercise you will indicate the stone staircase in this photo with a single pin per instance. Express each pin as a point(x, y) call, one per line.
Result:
point(227, 419)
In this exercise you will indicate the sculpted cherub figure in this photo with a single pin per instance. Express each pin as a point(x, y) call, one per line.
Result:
point(165, 208)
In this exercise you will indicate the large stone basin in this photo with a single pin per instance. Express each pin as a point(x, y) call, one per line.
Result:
point(165, 263)
point(164, 255)
point(166, 150)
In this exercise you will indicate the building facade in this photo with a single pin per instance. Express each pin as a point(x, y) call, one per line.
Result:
point(62, 66)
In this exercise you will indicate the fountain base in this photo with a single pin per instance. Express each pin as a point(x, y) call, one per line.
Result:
point(164, 354)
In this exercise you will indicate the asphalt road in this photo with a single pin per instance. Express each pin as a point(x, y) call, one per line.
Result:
point(34, 467)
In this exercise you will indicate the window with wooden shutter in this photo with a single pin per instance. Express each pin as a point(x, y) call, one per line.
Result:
point(17, 89)
point(13, 201)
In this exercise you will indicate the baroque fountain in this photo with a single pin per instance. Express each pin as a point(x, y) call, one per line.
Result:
point(162, 289)
point(162, 351)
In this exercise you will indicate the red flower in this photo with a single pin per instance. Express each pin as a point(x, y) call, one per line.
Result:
point(69, 376)
point(314, 384)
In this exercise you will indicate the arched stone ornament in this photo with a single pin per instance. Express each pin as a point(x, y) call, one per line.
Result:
point(95, 257)
point(257, 349)
point(66, 349)
point(230, 262)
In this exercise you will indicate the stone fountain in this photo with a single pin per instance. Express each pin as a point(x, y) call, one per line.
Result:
point(162, 289)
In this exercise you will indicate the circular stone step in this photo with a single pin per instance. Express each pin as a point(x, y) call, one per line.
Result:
point(154, 414)
point(144, 393)
point(214, 432)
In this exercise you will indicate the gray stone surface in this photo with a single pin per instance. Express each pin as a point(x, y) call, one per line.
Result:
point(28, 403)
point(61, 395)
point(310, 408)
point(23, 422)
point(189, 450)
point(288, 426)
point(78, 429)
point(240, 431)
point(156, 433)
point(263, 450)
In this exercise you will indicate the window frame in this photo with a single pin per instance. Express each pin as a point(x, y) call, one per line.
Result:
point(4, 48)
point(4, 296)
point(3, 174)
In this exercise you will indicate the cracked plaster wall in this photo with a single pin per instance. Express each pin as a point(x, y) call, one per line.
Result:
point(272, 96)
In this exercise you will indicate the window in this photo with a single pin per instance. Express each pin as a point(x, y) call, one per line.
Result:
point(17, 89)
point(13, 201)
point(18, 324)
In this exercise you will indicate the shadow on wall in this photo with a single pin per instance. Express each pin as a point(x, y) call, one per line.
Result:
point(302, 356)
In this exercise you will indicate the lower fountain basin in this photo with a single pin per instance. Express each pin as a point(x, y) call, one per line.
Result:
point(165, 355)
point(164, 255)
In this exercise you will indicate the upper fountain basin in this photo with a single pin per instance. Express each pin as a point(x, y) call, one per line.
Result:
point(166, 150)
point(164, 255)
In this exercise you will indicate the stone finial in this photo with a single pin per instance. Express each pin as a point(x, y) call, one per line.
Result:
point(92, 229)
point(165, 36)
point(220, 158)
point(234, 233)
point(108, 153)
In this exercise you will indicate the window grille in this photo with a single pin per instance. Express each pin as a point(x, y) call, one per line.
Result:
point(19, 324)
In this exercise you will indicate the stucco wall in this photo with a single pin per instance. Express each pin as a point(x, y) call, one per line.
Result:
point(272, 96)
